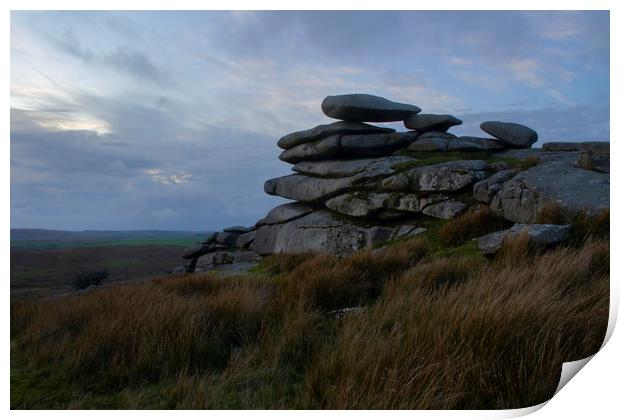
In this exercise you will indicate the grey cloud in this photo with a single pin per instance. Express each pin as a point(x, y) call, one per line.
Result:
point(136, 63)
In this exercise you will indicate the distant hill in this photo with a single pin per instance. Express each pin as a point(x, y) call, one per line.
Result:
point(51, 239)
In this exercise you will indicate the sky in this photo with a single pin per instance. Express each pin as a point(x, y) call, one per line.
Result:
point(169, 120)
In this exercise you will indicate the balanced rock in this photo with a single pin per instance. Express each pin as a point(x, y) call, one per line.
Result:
point(521, 198)
point(515, 135)
point(326, 130)
point(362, 107)
point(442, 177)
point(430, 122)
point(541, 235)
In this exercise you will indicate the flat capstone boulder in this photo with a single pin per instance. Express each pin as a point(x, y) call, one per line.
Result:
point(431, 122)
point(326, 130)
point(514, 135)
point(542, 235)
point(366, 108)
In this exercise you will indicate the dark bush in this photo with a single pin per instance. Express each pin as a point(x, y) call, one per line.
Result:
point(90, 278)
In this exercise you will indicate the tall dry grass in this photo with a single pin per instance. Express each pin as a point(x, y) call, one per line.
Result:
point(438, 332)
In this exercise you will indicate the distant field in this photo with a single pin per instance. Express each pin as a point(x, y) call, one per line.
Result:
point(28, 239)
point(49, 271)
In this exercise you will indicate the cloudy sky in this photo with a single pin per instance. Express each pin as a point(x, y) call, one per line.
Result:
point(168, 120)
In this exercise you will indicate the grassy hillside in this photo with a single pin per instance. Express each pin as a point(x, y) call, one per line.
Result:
point(440, 327)
point(54, 270)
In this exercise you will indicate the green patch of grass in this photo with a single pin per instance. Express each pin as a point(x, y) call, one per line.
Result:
point(468, 249)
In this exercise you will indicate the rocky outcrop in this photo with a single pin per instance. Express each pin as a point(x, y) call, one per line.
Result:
point(542, 235)
point(356, 185)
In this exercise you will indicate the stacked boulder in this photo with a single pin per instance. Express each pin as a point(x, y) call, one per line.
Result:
point(231, 245)
point(355, 185)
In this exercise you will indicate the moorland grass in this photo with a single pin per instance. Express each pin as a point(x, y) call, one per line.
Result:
point(443, 328)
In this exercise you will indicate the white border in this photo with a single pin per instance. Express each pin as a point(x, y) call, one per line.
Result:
point(591, 394)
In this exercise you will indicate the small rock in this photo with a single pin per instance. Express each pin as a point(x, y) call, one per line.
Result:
point(486, 189)
point(515, 135)
point(362, 107)
point(245, 240)
point(542, 235)
point(448, 209)
point(431, 122)
point(327, 148)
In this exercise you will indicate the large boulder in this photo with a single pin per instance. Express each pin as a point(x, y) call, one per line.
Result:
point(515, 135)
point(323, 149)
point(373, 144)
point(227, 239)
point(353, 145)
point(442, 177)
point(312, 189)
point(362, 107)
point(350, 167)
point(324, 231)
point(309, 189)
point(540, 235)
point(285, 212)
point(521, 198)
point(327, 130)
point(430, 122)
point(358, 204)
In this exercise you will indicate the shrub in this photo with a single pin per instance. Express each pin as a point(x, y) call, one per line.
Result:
point(90, 278)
